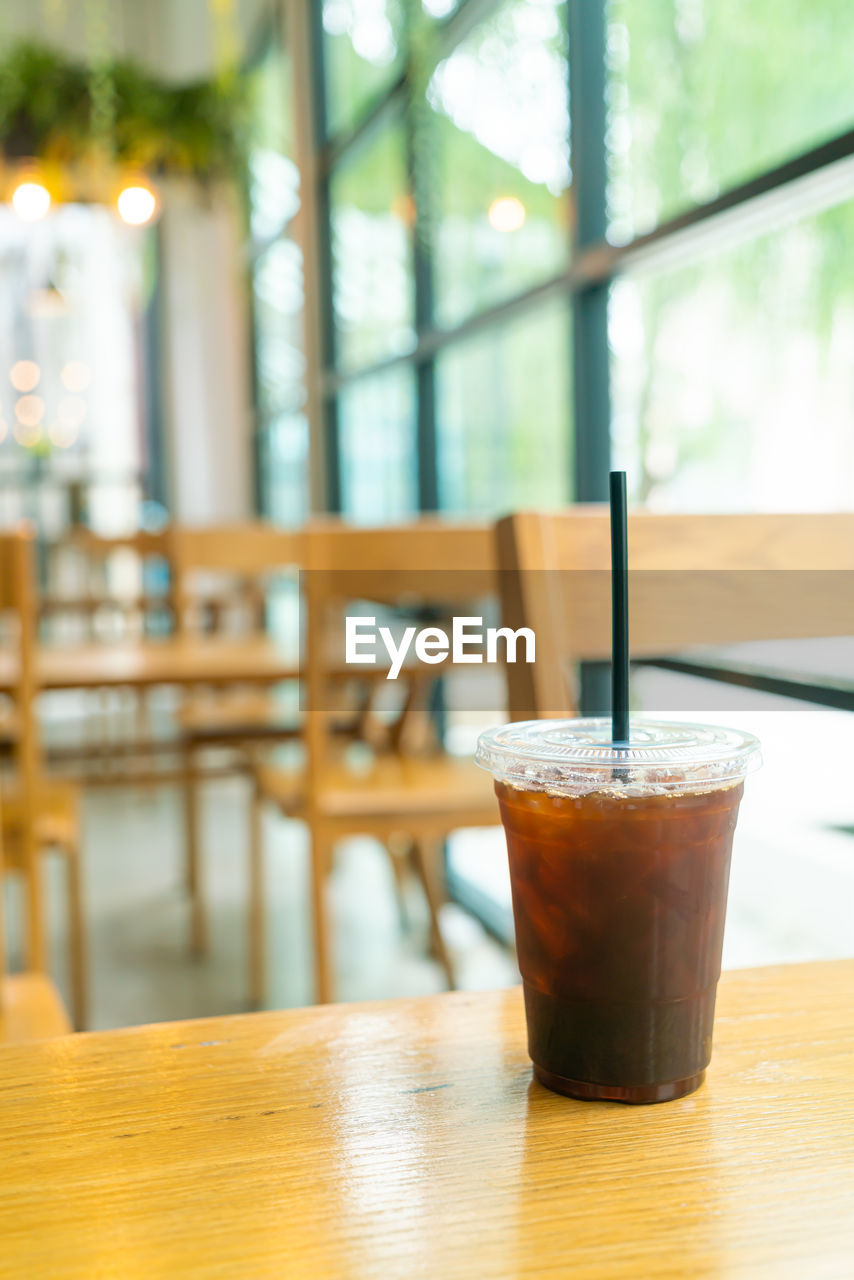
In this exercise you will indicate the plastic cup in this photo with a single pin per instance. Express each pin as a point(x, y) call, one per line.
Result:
point(619, 866)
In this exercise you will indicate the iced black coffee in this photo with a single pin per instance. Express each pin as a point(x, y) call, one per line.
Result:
point(619, 862)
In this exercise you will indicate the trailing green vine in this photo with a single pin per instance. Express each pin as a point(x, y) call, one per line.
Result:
point(52, 109)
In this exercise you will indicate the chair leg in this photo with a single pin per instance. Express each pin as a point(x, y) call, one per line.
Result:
point(198, 918)
point(426, 857)
point(321, 861)
point(77, 943)
point(257, 939)
point(35, 943)
point(397, 858)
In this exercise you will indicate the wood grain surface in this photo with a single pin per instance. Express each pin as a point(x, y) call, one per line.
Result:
point(407, 1139)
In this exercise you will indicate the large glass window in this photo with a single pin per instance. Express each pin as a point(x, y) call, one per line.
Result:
point(371, 227)
point(363, 52)
point(502, 409)
point(452, 214)
point(705, 95)
point(273, 176)
point(732, 375)
point(378, 447)
point(499, 149)
point(480, 146)
point(277, 293)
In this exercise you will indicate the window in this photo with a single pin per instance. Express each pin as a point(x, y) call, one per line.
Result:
point(499, 144)
point(502, 398)
point(703, 96)
point(371, 220)
point(363, 54)
point(448, 198)
point(273, 177)
point(732, 374)
point(491, 170)
point(378, 443)
point(277, 293)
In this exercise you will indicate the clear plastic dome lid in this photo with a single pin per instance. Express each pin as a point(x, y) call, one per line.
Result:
point(576, 757)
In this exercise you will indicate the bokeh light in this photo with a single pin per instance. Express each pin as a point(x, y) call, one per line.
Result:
point(367, 25)
point(136, 205)
point(506, 86)
point(76, 376)
point(29, 410)
point(24, 375)
point(64, 434)
point(28, 435)
point(31, 201)
point(506, 214)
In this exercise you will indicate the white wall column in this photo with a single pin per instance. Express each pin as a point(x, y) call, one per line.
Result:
point(206, 375)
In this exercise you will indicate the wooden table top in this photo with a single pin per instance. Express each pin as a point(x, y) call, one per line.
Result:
point(407, 1139)
point(181, 660)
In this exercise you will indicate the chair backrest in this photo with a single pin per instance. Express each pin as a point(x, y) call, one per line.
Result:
point(428, 564)
point(695, 580)
point(18, 607)
point(100, 587)
point(222, 573)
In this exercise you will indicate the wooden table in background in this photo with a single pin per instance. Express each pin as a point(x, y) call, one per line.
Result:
point(143, 663)
point(407, 1139)
point(175, 661)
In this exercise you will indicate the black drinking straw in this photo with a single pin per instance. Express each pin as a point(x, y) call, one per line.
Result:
point(619, 612)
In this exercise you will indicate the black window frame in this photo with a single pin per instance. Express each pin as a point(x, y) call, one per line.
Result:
point(594, 264)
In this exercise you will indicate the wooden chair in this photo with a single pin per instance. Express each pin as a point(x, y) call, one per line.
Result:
point(98, 587)
point(698, 580)
point(392, 794)
point(37, 814)
point(30, 1005)
point(223, 572)
point(101, 590)
point(222, 578)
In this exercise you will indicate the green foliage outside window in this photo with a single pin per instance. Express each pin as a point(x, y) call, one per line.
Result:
point(720, 361)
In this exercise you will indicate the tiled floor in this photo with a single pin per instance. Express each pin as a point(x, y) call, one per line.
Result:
point(141, 969)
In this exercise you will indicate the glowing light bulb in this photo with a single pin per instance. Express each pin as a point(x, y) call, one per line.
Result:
point(76, 376)
point(136, 205)
point(24, 375)
point(31, 201)
point(506, 214)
